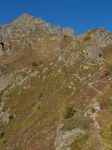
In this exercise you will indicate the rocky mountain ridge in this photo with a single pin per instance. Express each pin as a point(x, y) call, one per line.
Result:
point(54, 85)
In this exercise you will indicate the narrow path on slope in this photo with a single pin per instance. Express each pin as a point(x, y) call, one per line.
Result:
point(96, 126)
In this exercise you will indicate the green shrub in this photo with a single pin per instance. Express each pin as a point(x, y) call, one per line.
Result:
point(93, 110)
point(2, 134)
point(40, 95)
point(34, 64)
point(69, 112)
point(11, 116)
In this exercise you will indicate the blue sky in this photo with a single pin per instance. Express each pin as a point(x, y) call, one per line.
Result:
point(81, 15)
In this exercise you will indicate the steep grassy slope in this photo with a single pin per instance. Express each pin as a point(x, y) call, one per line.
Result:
point(55, 91)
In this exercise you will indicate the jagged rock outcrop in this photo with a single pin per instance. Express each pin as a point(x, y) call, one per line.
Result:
point(68, 31)
point(95, 40)
point(64, 139)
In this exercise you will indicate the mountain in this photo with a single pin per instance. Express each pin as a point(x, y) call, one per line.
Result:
point(55, 87)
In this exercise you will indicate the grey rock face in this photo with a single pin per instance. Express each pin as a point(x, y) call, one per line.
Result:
point(94, 41)
point(102, 37)
point(64, 139)
point(94, 52)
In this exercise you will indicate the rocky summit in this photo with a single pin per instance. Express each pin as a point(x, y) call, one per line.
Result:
point(55, 87)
